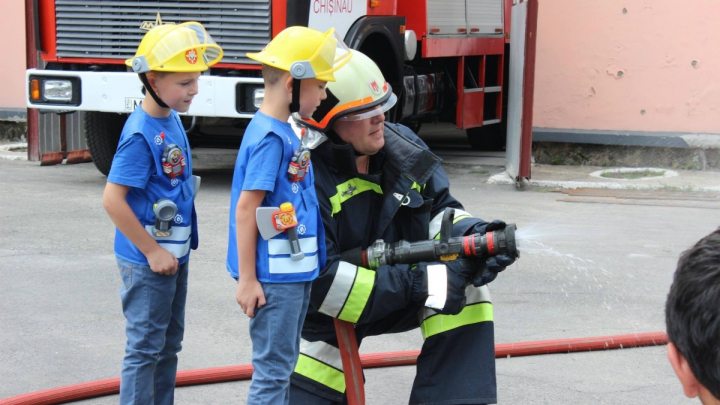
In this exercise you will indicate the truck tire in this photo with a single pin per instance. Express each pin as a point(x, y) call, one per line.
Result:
point(488, 137)
point(102, 133)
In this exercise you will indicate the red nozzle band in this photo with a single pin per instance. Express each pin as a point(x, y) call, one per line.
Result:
point(491, 243)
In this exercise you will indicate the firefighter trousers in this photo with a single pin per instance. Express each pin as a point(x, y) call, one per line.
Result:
point(456, 363)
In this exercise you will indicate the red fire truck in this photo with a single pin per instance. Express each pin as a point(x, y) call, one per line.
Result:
point(445, 59)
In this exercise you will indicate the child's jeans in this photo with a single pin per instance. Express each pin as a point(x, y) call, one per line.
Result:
point(275, 333)
point(154, 306)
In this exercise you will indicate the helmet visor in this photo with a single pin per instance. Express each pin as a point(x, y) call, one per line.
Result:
point(188, 41)
point(371, 112)
point(331, 55)
point(211, 50)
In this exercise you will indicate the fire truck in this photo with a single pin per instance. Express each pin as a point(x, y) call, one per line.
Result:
point(446, 60)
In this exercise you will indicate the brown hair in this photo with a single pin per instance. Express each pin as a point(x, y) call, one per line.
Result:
point(271, 74)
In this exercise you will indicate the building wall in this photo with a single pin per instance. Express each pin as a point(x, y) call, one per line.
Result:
point(640, 65)
point(12, 54)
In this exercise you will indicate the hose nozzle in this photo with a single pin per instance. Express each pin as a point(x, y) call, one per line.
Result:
point(499, 242)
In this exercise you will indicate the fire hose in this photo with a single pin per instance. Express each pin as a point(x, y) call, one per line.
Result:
point(185, 378)
point(445, 248)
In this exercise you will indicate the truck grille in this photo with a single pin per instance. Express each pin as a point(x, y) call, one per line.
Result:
point(111, 29)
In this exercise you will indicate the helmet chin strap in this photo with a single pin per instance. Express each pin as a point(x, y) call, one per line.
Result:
point(295, 105)
point(148, 88)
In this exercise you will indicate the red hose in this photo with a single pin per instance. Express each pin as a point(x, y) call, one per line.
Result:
point(111, 386)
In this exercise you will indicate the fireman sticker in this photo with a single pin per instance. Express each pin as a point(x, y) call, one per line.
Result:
point(299, 164)
point(173, 161)
point(191, 56)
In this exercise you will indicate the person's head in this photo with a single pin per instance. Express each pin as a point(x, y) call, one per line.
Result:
point(297, 64)
point(169, 61)
point(354, 110)
point(692, 315)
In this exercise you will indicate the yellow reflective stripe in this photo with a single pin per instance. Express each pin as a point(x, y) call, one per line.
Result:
point(320, 372)
point(470, 314)
point(357, 299)
point(349, 189)
point(417, 187)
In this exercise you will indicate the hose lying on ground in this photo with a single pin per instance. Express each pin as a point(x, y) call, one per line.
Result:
point(185, 378)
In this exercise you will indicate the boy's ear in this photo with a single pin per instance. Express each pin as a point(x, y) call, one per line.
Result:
point(288, 82)
point(152, 80)
point(690, 384)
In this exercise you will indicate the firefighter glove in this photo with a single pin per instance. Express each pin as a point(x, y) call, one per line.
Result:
point(441, 285)
point(485, 227)
point(488, 270)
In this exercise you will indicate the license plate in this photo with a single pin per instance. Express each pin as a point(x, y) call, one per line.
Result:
point(131, 103)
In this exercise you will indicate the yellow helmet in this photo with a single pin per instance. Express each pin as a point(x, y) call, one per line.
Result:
point(185, 47)
point(305, 53)
point(360, 91)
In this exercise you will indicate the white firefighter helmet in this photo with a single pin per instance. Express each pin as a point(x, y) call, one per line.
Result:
point(359, 92)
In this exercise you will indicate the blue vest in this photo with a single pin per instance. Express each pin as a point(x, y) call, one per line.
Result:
point(272, 259)
point(180, 190)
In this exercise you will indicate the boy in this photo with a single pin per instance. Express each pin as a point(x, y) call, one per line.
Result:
point(271, 169)
point(692, 315)
point(150, 196)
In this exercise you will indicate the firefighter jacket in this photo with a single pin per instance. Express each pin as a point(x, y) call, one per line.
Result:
point(179, 189)
point(403, 197)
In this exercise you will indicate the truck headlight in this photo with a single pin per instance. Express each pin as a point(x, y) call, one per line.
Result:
point(258, 97)
point(58, 90)
point(248, 97)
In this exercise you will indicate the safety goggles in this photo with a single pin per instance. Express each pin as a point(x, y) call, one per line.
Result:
point(371, 112)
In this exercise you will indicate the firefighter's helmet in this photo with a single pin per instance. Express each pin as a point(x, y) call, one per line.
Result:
point(359, 92)
point(305, 53)
point(176, 48)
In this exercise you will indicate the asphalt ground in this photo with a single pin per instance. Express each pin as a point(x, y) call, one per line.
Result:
point(585, 270)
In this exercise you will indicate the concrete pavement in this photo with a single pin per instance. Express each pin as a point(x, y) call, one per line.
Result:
point(586, 270)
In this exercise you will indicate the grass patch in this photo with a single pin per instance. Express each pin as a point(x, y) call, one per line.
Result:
point(634, 174)
point(478, 172)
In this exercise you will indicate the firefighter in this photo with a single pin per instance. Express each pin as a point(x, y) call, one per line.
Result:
point(377, 180)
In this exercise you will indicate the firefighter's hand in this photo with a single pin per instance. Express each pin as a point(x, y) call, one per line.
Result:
point(442, 284)
point(484, 228)
point(487, 271)
point(162, 262)
point(250, 295)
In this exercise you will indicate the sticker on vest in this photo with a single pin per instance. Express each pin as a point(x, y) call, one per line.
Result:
point(173, 161)
point(301, 229)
